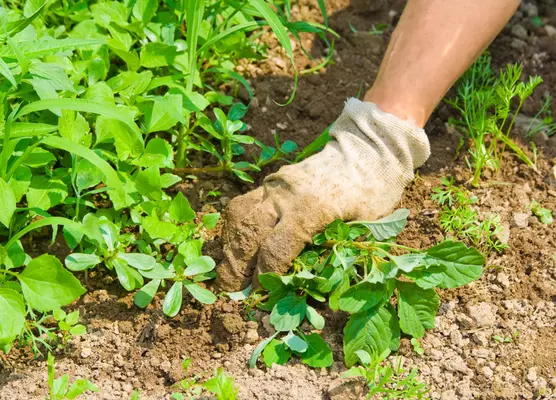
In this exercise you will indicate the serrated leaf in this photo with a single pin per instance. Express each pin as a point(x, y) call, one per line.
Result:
point(417, 308)
point(318, 353)
point(47, 286)
point(288, 313)
point(276, 352)
point(375, 330)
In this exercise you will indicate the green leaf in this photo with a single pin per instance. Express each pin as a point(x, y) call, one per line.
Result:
point(295, 343)
point(125, 274)
point(159, 229)
point(158, 272)
point(389, 226)
point(203, 295)
point(87, 175)
point(7, 203)
point(146, 294)
point(180, 210)
point(47, 285)
point(20, 181)
point(137, 260)
point(318, 353)
point(362, 296)
point(80, 386)
point(158, 153)
point(276, 352)
point(462, 265)
point(243, 175)
point(190, 250)
point(199, 265)
point(288, 146)
point(12, 316)
point(148, 183)
point(210, 220)
point(44, 47)
point(222, 386)
point(81, 261)
point(417, 308)
point(288, 313)
point(375, 330)
point(173, 300)
point(78, 330)
point(271, 281)
point(164, 113)
point(7, 73)
point(408, 262)
point(259, 349)
point(315, 318)
point(73, 127)
point(155, 55)
point(45, 193)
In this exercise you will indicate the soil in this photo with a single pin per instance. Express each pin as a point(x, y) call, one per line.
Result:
point(127, 348)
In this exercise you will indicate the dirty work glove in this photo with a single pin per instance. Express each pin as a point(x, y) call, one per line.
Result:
point(360, 175)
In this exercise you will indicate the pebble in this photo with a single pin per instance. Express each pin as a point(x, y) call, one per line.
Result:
point(519, 31)
point(519, 44)
point(530, 9)
point(252, 325)
point(551, 178)
point(487, 371)
point(520, 220)
point(448, 395)
point(503, 279)
point(481, 338)
point(464, 321)
point(532, 374)
point(550, 30)
point(482, 314)
point(251, 336)
point(86, 352)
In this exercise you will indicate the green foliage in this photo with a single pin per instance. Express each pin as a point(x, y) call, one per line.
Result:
point(485, 104)
point(543, 214)
point(358, 266)
point(102, 108)
point(460, 219)
point(221, 385)
point(388, 381)
point(60, 389)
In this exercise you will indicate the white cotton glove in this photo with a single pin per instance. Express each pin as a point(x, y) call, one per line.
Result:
point(358, 176)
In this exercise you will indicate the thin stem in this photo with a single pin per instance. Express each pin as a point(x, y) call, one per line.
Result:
point(5, 271)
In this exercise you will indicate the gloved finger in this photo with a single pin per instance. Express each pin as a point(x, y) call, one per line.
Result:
point(243, 233)
point(287, 240)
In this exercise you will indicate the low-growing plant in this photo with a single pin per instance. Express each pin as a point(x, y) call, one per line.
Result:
point(485, 104)
point(543, 214)
point(388, 380)
point(542, 121)
point(69, 324)
point(60, 388)
point(386, 288)
point(460, 219)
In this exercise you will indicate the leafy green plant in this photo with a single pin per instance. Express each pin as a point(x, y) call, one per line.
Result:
point(68, 324)
point(60, 389)
point(543, 214)
point(484, 102)
point(460, 219)
point(359, 267)
point(386, 380)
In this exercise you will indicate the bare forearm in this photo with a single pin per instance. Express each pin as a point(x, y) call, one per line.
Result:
point(433, 44)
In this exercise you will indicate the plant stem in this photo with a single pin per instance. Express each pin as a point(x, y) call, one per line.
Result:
point(202, 170)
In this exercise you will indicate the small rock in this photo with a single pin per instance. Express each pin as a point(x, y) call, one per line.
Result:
point(550, 30)
point(519, 44)
point(519, 31)
point(448, 395)
point(86, 352)
point(165, 366)
point(464, 321)
point(520, 220)
point(227, 307)
point(456, 364)
point(487, 372)
point(252, 325)
point(532, 374)
point(282, 64)
point(464, 391)
point(530, 9)
point(281, 125)
point(503, 279)
point(482, 353)
point(251, 336)
point(216, 356)
point(482, 314)
point(342, 390)
point(481, 338)
point(551, 178)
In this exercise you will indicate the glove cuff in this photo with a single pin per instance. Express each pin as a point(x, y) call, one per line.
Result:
point(384, 132)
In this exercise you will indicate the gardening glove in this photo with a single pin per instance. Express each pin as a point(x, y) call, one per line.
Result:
point(359, 175)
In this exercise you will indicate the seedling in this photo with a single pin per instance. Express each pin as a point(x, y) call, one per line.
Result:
point(386, 380)
point(484, 102)
point(68, 324)
point(460, 219)
point(543, 214)
point(358, 267)
point(60, 389)
point(417, 346)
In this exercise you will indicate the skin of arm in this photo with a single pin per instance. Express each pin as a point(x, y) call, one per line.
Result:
point(433, 44)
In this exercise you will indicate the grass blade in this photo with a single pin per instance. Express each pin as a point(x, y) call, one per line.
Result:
point(194, 17)
point(5, 70)
point(39, 224)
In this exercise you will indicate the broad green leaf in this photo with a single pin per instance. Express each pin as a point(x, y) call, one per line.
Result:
point(80, 386)
point(39, 224)
point(417, 308)
point(315, 318)
point(191, 250)
point(375, 330)
point(242, 294)
point(295, 343)
point(194, 102)
point(45, 193)
point(318, 353)
point(7, 203)
point(60, 387)
point(110, 233)
point(180, 210)
point(276, 352)
point(53, 73)
point(20, 181)
point(125, 274)
point(44, 47)
point(138, 260)
point(155, 55)
point(87, 175)
point(109, 12)
point(334, 298)
point(288, 313)
point(364, 357)
point(7, 73)
point(73, 127)
point(462, 266)
point(158, 153)
point(148, 183)
point(47, 285)
point(259, 349)
point(389, 226)
point(145, 295)
point(167, 180)
point(362, 296)
point(159, 229)
point(144, 10)
point(271, 281)
point(199, 265)
point(16, 256)
point(12, 316)
point(244, 176)
point(164, 113)
point(203, 295)
point(408, 262)
point(81, 261)
point(39, 158)
point(158, 272)
point(126, 141)
point(210, 220)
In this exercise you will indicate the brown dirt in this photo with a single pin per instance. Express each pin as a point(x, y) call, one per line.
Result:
point(127, 348)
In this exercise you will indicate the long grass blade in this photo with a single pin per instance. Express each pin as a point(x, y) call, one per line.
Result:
point(194, 17)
